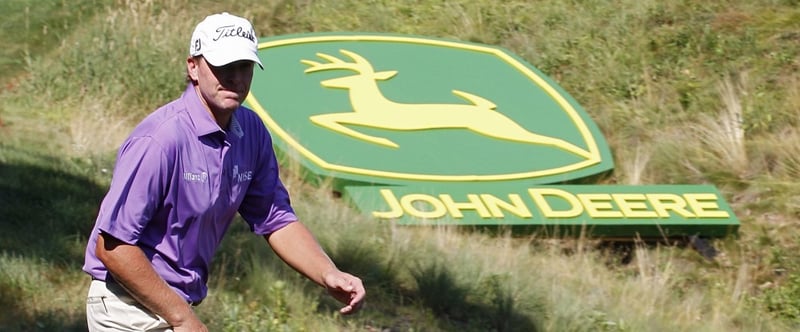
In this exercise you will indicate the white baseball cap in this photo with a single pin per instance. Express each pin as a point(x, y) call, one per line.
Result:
point(225, 38)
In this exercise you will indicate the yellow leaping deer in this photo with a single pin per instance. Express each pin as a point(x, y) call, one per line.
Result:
point(371, 108)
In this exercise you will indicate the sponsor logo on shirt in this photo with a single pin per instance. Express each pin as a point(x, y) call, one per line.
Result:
point(201, 177)
point(242, 176)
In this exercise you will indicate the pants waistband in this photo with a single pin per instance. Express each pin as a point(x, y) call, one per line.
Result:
point(118, 290)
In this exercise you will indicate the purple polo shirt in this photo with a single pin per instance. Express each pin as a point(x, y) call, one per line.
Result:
point(179, 181)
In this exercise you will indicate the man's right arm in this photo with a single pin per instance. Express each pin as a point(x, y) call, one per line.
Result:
point(133, 271)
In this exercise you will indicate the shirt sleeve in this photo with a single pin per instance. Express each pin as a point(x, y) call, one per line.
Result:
point(137, 188)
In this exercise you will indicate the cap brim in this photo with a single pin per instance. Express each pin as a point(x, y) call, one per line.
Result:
point(219, 59)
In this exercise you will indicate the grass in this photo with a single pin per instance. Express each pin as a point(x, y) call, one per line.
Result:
point(686, 92)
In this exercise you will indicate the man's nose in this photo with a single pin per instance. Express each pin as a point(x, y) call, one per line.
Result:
point(233, 79)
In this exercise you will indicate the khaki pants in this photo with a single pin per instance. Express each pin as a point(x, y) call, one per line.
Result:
point(110, 308)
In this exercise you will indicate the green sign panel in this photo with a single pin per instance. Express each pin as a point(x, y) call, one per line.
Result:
point(430, 117)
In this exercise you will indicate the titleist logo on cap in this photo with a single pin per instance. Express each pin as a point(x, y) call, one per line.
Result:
point(234, 31)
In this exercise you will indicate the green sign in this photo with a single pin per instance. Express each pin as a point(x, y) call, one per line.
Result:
point(391, 116)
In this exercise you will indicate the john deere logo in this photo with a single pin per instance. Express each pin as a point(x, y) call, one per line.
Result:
point(372, 108)
point(405, 125)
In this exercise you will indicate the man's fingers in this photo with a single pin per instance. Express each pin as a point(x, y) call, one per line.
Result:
point(351, 308)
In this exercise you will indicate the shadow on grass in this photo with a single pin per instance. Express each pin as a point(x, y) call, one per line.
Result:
point(488, 306)
point(45, 217)
point(51, 321)
point(46, 213)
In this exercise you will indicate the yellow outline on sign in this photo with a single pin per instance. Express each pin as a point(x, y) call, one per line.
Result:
point(594, 158)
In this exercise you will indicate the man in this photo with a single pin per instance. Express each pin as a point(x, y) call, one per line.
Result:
point(180, 178)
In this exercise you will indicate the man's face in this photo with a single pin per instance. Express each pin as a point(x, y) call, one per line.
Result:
point(223, 88)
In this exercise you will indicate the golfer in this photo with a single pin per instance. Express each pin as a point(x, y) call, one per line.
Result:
point(179, 180)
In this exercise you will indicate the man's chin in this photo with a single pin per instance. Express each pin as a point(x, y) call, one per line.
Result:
point(231, 105)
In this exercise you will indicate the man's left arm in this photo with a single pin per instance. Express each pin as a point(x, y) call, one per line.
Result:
point(296, 246)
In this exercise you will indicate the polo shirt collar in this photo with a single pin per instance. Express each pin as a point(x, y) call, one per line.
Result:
point(235, 127)
point(204, 123)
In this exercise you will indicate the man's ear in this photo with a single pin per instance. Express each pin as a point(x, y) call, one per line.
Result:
point(191, 68)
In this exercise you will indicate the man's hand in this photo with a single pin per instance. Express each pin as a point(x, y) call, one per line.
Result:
point(345, 288)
